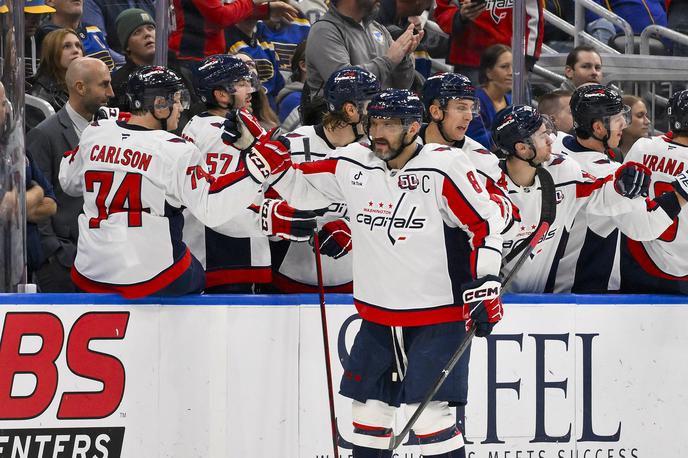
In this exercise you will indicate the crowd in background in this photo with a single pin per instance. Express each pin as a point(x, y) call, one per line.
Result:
point(292, 48)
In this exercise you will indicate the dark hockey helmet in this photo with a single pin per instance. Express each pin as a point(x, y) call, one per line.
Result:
point(396, 103)
point(595, 102)
point(517, 124)
point(349, 84)
point(146, 85)
point(446, 86)
point(677, 111)
point(221, 71)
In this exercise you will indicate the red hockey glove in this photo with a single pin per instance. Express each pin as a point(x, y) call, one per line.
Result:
point(482, 304)
point(508, 210)
point(241, 129)
point(632, 179)
point(681, 184)
point(111, 113)
point(279, 219)
point(267, 158)
point(335, 239)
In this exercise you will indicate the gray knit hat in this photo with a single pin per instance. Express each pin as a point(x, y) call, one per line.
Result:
point(128, 21)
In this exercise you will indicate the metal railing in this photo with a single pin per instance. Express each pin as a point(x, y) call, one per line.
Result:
point(658, 30)
point(582, 5)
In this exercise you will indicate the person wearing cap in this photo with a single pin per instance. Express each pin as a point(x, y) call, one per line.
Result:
point(33, 15)
point(104, 14)
point(68, 14)
point(136, 32)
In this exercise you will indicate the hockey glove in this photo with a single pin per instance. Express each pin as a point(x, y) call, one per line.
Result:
point(482, 307)
point(265, 159)
point(508, 210)
point(111, 113)
point(681, 184)
point(632, 179)
point(335, 239)
point(241, 129)
point(279, 219)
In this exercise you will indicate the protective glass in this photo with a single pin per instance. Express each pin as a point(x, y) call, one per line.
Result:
point(385, 127)
point(620, 120)
point(182, 96)
point(464, 106)
point(247, 85)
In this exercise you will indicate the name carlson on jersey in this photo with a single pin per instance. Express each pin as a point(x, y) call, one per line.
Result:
point(121, 156)
point(669, 166)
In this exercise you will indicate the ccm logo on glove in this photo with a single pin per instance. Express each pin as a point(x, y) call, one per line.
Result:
point(489, 290)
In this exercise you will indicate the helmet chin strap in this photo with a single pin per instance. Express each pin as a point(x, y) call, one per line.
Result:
point(443, 133)
point(611, 152)
point(402, 145)
point(531, 160)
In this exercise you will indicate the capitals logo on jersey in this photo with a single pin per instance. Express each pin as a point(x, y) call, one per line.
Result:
point(386, 215)
point(497, 7)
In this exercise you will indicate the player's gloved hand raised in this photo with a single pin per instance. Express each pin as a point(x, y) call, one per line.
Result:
point(267, 158)
point(482, 304)
point(241, 129)
point(335, 239)
point(681, 184)
point(278, 218)
point(508, 210)
point(632, 179)
point(111, 113)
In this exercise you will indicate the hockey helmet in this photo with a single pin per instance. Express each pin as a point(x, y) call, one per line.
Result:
point(595, 102)
point(677, 111)
point(350, 84)
point(146, 85)
point(519, 124)
point(396, 103)
point(221, 71)
point(446, 86)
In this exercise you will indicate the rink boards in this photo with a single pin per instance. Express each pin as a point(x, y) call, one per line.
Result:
point(243, 376)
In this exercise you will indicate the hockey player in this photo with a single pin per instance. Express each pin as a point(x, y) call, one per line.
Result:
point(590, 263)
point(526, 139)
point(347, 92)
point(409, 268)
point(135, 179)
point(236, 255)
point(450, 105)
point(658, 266)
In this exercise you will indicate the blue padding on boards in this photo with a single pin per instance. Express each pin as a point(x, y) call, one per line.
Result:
point(296, 299)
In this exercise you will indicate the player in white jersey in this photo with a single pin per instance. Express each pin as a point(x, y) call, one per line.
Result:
point(347, 92)
point(450, 105)
point(135, 178)
point(526, 139)
point(590, 263)
point(236, 255)
point(660, 266)
point(410, 269)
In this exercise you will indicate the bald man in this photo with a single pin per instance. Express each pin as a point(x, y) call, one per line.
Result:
point(88, 83)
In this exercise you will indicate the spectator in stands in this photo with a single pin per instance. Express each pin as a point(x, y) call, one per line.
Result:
point(638, 13)
point(639, 126)
point(103, 14)
point(396, 16)
point(68, 15)
point(41, 204)
point(88, 81)
point(583, 65)
point(677, 16)
point(136, 32)
point(200, 24)
point(476, 24)
point(260, 105)
point(34, 12)
point(313, 9)
point(242, 38)
point(285, 37)
point(347, 35)
point(289, 98)
point(494, 93)
point(60, 48)
point(555, 104)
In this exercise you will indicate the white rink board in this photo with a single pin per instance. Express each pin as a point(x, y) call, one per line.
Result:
point(247, 380)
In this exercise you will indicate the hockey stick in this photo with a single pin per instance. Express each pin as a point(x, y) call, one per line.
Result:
point(326, 344)
point(547, 215)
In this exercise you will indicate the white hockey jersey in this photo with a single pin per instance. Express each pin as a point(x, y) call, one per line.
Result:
point(408, 262)
point(666, 256)
point(134, 182)
point(294, 262)
point(576, 191)
point(236, 252)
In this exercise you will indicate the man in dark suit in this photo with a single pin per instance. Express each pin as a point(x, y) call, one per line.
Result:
point(88, 82)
